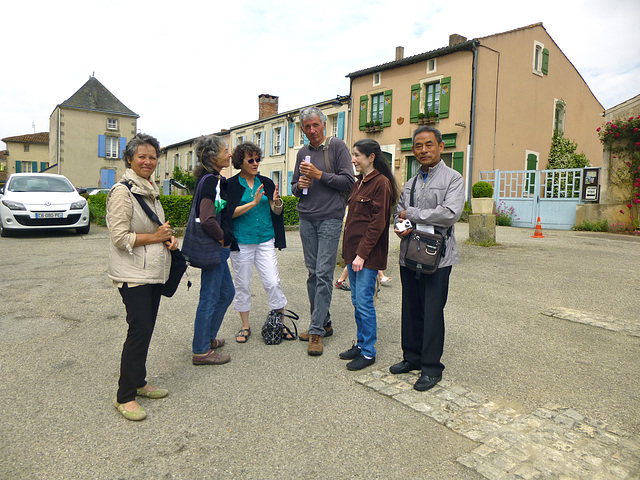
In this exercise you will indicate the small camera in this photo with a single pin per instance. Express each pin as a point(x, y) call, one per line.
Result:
point(403, 225)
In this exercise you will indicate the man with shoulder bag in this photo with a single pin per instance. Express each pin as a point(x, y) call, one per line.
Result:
point(430, 204)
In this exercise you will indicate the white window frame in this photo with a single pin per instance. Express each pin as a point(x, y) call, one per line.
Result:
point(176, 162)
point(561, 124)
point(190, 160)
point(111, 147)
point(431, 65)
point(380, 96)
point(277, 140)
point(536, 64)
point(377, 79)
point(112, 124)
point(257, 138)
point(277, 181)
point(334, 126)
point(26, 167)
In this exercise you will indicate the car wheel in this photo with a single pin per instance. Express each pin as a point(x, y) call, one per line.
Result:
point(3, 231)
point(83, 230)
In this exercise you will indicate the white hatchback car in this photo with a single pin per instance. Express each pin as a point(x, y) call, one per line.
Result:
point(41, 201)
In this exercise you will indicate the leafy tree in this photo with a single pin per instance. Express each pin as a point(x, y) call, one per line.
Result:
point(563, 154)
point(185, 178)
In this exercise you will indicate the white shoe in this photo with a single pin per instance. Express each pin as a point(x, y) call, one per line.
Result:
point(385, 280)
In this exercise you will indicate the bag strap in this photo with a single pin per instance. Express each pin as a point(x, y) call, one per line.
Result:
point(147, 209)
point(293, 316)
point(327, 164)
point(447, 234)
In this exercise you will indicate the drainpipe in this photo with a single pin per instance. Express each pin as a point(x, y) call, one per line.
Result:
point(472, 126)
point(58, 142)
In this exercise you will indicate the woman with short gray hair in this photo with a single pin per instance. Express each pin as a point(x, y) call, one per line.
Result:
point(216, 285)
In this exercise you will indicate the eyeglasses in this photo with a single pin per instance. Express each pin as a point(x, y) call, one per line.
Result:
point(251, 161)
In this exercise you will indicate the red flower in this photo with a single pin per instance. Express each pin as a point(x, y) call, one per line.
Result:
point(598, 129)
point(636, 200)
point(635, 130)
point(637, 144)
point(629, 205)
point(621, 212)
point(617, 135)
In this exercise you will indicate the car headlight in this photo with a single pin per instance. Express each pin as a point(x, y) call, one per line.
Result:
point(13, 205)
point(79, 205)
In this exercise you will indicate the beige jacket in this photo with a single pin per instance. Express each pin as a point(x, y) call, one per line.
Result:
point(125, 217)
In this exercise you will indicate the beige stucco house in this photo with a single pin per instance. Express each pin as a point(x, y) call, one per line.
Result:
point(26, 153)
point(279, 135)
point(497, 101)
point(88, 133)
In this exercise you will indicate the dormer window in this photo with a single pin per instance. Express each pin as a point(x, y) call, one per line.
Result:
point(112, 124)
point(377, 77)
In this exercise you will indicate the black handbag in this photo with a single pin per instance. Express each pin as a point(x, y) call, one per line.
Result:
point(178, 262)
point(273, 328)
point(423, 251)
point(199, 249)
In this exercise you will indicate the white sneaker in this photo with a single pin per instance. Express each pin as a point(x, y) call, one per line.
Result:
point(385, 280)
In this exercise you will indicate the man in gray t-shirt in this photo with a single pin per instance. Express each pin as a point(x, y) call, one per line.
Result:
point(321, 208)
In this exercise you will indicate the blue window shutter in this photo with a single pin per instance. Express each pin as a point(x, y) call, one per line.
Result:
point(111, 179)
point(283, 140)
point(271, 143)
point(104, 178)
point(123, 145)
point(341, 125)
point(18, 166)
point(289, 178)
point(34, 166)
point(102, 141)
point(43, 166)
point(292, 131)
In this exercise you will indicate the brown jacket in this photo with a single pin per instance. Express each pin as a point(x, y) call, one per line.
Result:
point(366, 231)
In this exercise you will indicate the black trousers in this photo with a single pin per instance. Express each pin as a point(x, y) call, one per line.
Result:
point(423, 302)
point(142, 305)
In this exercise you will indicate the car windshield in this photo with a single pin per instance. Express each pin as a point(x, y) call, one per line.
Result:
point(39, 184)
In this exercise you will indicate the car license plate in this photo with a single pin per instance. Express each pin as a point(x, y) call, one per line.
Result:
point(49, 215)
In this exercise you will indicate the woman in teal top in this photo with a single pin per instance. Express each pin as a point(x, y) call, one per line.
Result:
point(258, 226)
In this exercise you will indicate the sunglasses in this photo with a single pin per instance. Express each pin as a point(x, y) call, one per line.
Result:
point(251, 161)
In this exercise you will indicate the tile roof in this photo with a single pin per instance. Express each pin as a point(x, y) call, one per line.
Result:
point(95, 96)
point(42, 137)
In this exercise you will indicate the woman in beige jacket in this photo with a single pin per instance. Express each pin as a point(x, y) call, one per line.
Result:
point(139, 264)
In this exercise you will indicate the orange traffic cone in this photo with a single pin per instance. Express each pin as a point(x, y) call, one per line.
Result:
point(538, 232)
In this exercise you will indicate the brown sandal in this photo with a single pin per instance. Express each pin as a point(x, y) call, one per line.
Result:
point(243, 333)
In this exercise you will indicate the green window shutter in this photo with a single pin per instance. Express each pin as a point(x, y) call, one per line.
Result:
point(545, 61)
point(415, 102)
point(18, 166)
point(364, 105)
point(445, 91)
point(386, 116)
point(458, 162)
point(43, 166)
point(34, 166)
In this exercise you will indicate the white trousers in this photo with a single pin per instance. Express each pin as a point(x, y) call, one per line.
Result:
point(263, 256)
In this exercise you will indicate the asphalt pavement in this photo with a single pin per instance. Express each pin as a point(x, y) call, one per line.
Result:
point(531, 323)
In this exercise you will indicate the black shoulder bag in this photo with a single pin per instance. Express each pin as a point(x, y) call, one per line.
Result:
point(178, 262)
point(423, 251)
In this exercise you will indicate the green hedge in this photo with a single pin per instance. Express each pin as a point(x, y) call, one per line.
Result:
point(176, 209)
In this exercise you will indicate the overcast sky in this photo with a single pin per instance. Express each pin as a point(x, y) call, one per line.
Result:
point(194, 67)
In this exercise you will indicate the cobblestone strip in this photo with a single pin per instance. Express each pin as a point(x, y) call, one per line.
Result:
point(552, 442)
point(602, 321)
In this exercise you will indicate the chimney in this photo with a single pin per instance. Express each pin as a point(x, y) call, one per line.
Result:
point(455, 39)
point(268, 105)
point(399, 53)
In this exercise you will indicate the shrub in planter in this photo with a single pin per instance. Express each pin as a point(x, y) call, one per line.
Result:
point(482, 198)
point(482, 190)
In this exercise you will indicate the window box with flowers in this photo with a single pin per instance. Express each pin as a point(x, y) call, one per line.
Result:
point(430, 118)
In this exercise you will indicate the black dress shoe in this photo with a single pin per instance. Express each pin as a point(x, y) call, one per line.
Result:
point(425, 382)
point(402, 367)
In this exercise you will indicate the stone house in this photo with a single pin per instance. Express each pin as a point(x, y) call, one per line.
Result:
point(26, 153)
point(88, 133)
point(497, 101)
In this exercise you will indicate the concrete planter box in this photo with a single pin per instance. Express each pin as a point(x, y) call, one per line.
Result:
point(482, 206)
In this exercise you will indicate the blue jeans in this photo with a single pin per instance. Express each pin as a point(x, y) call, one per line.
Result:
point(363, 288)
point(216, 294)
point(320, 240)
